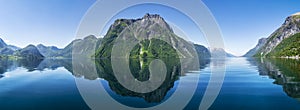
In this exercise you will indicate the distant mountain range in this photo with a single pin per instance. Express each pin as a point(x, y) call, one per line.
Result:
point(7, 49)
point(220, 52)
point(48, 51)
point(29, 52)
point(284, 42)
point(149, 28)
point(260, 44)
point(83, 46)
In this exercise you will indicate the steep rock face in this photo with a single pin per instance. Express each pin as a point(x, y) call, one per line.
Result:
point(261, 43)
point(29, 52)
point(203, 52)
point(290, 27)
point(151, 30)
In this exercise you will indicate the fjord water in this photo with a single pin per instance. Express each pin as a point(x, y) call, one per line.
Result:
point(248, 84)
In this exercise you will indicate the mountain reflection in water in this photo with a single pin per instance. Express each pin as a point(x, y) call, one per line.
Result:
point(104, 71)
point(285, 72)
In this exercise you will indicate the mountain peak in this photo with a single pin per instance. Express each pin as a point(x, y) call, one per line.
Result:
point(145, 23)
point(30, 51)
point(92, 37)
point(150, 28)
point(154, 19)
point(149, 16)
point(30, 45)
point(41, 45)
point(2, 43)
point(220, 52)
point(296, 14)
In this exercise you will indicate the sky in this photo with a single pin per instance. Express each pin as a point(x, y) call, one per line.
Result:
point(243, 22)
point(50, 22)
point(54, 22)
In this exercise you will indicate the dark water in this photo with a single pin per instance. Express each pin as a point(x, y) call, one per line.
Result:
point(248, 84)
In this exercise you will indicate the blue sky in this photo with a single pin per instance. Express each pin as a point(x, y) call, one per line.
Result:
point(54, 22)
point(51, 22)
point(243, 22)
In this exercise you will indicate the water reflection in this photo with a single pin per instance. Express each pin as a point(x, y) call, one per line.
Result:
point(104, 71)
point(5, 65)
point(285, 72)
point(142, 74)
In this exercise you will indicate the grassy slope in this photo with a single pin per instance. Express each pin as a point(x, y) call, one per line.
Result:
point(288, 47)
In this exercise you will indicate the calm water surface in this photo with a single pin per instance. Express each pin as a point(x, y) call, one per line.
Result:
point(248, 84)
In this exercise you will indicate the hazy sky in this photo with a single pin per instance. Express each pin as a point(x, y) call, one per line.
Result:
point(54, 22)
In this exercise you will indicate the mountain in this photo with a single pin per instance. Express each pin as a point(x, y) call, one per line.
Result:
point(7, 49)
point(290, 27)
point(12, 47)
point(219, 52)
point(289, 47)
point(203, 52)
point(2, 43)
point(157, 40)
point(67, 51)
point(29, 52)
point(261, 43)
point(156, 36)
point(229, 55)
point(48, 51)
point(82, 47)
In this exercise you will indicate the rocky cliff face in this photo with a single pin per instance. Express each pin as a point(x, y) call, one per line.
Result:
point(261, 43)
point(290, 27)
